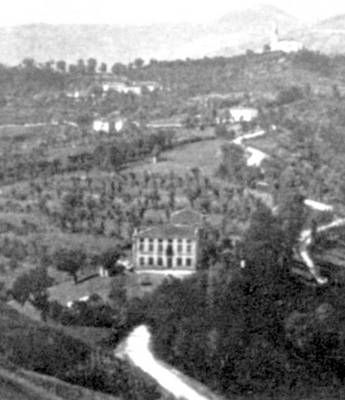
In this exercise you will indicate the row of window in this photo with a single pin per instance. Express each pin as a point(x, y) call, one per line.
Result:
point(151, 262)
point(150, 245)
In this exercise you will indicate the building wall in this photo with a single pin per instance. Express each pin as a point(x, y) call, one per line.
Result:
point(287, 46)
point(152, 253)
point(243, 114)
point(108, 126)
point(101, 126)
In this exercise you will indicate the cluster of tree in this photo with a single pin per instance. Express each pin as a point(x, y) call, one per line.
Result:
point(233, 166)
point(312, 149)
point(255, 329)
point(113, 206)
point(27, 344)
point(106, 153)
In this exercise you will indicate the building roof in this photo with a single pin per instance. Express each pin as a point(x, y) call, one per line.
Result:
point(168, 231)
point(187, 217)
point(68, 292)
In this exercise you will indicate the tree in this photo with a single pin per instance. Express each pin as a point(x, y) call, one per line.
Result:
point(28, 63)
point(80, 66)
point(289, 95)
point(72, 69)
point(70, 261)
point(266, 48)
point(292, 216)
point(116, 156)
point(263, 239)
point(138, 63)
point(118, 69)
point(103, 68)
point(32, 286)
point(91, 66)
point(109, 260)
point(61, 66)
point(233, 164)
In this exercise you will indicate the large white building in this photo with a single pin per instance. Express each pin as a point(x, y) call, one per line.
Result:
point(173, 246)
point(286, 45)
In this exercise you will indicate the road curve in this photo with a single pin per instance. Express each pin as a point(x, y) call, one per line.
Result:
point(306, 239)
point(137, 349)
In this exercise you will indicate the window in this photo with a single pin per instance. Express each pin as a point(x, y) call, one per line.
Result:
point(189, 246)
point(141, 244)
point(179, 246)
point(160, 245)
point(170, 250)
point(160, 261)
point(151, 242)
point(188, 262)
point(141, 261)
point(179, 262)
point(150, 261)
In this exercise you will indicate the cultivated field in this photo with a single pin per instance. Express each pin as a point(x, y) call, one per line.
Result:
point(204, 155)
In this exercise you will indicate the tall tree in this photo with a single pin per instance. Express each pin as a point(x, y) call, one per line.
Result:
point(103, 67)
point(32, 286)
point(81, 66)
point(61, 66)
point(70, 261)
point(91, 66)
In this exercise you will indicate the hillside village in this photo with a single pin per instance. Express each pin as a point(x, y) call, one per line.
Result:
point(199, 200)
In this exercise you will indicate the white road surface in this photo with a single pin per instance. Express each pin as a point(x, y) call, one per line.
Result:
point(255, 159)
point(305, 241)
point(137, 349)
point(137, 345)
point(255, 156)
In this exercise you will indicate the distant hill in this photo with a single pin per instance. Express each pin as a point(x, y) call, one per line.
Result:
point(235, 32)
point(334, 23)
point(327, 36)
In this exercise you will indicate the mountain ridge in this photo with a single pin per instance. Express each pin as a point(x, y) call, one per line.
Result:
point(231, 34)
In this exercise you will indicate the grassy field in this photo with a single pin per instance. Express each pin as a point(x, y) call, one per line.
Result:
point(27, 385)
point(204, 155)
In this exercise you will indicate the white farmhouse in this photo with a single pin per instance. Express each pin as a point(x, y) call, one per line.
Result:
point(122, 87)
point(108, 125)
point(246, 114)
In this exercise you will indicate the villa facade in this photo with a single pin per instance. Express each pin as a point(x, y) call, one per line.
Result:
point(173, 246)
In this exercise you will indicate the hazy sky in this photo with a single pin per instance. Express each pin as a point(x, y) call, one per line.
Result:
point(149, 11)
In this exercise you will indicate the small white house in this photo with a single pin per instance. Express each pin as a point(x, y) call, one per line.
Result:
point(151, 86)
point(108, 125)
point(122, 87)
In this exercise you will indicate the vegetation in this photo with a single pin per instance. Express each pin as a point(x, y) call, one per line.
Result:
point(70, 199)
point(252, 330)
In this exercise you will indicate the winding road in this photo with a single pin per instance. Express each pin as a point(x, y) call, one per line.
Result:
point(137, 349)
point(306, 239)
point(137, 346)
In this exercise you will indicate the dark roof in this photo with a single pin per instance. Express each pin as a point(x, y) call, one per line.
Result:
point(168, 231)
point(187, 217)
point(69, 292)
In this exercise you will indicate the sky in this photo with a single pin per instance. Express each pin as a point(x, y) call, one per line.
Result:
point(140, 12)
